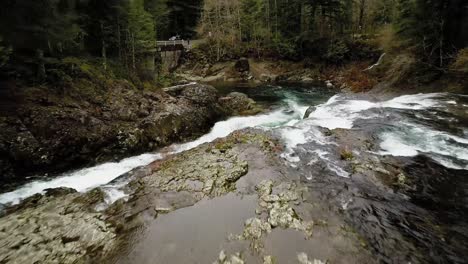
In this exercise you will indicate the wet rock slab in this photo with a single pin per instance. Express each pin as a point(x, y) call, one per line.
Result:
point(73, 131)
point(233, 196)
point(194, 234)
point(237, 224)
point(58, 227)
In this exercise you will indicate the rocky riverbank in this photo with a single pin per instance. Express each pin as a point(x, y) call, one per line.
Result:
point(351, 76)
point(300, 193)
point(379, 73)
point(67, 227)
point(250, 70)
point(46, 131)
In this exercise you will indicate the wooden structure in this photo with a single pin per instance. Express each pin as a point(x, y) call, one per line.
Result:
point(173, 45)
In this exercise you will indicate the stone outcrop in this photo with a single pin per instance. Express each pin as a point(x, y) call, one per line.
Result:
point(63, 226)
point(58, 227)
point(49, 132)
point(309, 111)
point(239, 104)
point(207, 171)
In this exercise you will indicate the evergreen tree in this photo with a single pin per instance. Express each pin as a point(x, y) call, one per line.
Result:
point(43, 24)
point(4, 54)
point(141, 26)
point(103, 20)
point(183, 16)
point(160, 12)
point(428, 25)
point(141, 30)
point(384, 12)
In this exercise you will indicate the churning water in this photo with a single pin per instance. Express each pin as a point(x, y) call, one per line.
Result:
point(285, 109)
point(288, 104)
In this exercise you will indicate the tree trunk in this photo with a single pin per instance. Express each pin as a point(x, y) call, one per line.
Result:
point(119, 41)
point(49, 45)
point(217, 31)
point(41, 73)
point(103, 50)
point(276, 19)
point(362, 6)
point(133, 50)
point(441, 44)
point(125, 50)
point(267, 7)
point(239, 22)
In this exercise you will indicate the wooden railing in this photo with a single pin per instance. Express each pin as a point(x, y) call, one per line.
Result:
point(185, 43)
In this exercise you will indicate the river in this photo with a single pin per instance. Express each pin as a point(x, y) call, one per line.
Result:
point(286, 107)
point(424, 135)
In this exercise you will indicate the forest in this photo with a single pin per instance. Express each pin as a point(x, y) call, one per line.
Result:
point(41, 32)
point(301, 28)
point(36, 36)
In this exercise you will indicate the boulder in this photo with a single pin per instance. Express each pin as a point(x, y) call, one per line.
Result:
point(309, 111)
point(201, 94)
point(237, 103)
point(55, 228)
point(264, 77)
point(56, 192)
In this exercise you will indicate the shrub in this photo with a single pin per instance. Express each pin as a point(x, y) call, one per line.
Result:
point(58, 77)
point(346, 154)
point(362, 50)
point(336, 51)
point(357, 79)
point(460, 64)
point(5, 53)
point(4, 56)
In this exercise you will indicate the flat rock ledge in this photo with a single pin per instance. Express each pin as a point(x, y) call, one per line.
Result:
point(58, 227)
point(64, 226)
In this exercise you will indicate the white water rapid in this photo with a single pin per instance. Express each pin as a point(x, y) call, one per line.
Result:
point(409, 139)
point(100, 175)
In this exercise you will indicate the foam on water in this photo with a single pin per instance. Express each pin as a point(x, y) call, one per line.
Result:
point(224, 128)
point(393, 145)
point(292, 137)
point(338, 112)
point(81, 180)
point(410, 140)
point(303, 132)
point(414, 101)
